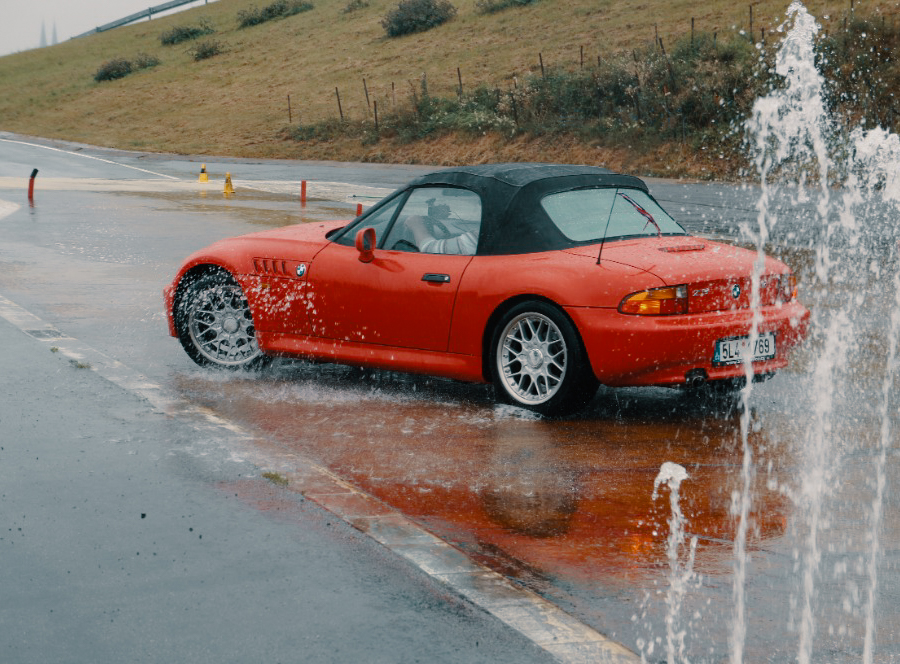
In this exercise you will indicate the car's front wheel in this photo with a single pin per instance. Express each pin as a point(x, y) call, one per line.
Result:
point(215, 324)
point(538, 361)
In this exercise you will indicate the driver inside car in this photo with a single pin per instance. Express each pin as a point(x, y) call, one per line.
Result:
point(436, 233)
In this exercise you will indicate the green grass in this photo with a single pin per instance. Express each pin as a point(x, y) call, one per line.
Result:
point(236, 103)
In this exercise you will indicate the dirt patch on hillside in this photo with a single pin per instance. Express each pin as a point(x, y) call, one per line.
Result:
point(668, 160)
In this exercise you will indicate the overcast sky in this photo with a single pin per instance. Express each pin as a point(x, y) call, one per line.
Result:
point(20, 28)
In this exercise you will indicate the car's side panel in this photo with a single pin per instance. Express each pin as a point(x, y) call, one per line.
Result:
point(399, 299)
point(562, 278)
point(458, 367)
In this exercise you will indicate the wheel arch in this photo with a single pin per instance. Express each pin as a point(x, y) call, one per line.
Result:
point(497, 315)
point(191, 275)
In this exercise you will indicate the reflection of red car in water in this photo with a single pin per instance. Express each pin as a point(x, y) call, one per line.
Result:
point(543, 279)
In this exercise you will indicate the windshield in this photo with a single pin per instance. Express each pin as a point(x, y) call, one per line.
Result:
point(590, 215)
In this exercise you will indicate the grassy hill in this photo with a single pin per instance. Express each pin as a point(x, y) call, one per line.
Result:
point(236, 103)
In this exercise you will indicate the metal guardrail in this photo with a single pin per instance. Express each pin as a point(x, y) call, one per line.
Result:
point(145, 13)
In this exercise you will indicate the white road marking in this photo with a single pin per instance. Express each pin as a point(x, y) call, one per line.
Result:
point(560, 634)
point(7, 208)
point(88, 156)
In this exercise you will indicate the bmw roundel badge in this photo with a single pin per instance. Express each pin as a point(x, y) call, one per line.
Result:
point(736, 291)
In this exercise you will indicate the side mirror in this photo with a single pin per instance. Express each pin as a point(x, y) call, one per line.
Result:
point(365, 244)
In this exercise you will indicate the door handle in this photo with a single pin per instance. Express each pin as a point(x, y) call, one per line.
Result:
point(436, 278)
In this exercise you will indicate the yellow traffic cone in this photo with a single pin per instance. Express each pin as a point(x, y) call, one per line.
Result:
point(229, 189)
point(203, 175)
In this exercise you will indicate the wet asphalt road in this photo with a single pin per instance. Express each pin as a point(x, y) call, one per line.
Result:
point(564, 508)
point(128, 538)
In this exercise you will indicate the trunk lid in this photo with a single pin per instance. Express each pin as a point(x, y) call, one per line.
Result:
point(718, 276)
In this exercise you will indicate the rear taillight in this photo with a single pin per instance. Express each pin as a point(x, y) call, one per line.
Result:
point(657, 302)
point(787, 287)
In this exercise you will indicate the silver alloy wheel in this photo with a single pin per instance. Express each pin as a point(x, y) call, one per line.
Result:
point(532, 358)
point(220, 325)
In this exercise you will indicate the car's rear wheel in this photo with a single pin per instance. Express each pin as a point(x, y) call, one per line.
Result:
point(538, 360)
point(215, 324)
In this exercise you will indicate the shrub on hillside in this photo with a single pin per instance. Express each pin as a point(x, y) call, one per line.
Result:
point(494, 6)
point(417, 16)
point(206, 49)
point(355, 5)
point(183, 33)
point(863, 71)
point(144, 61)
point(121, 67)
point(278, 9)
point(113, 69)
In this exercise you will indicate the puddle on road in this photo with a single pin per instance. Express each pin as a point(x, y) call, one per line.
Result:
point(532, 497)
point(259, 208)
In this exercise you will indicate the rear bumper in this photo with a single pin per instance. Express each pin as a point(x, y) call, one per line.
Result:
point(627, 350)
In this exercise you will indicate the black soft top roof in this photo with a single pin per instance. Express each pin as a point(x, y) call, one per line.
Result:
point(522, 174)
point(513, 221)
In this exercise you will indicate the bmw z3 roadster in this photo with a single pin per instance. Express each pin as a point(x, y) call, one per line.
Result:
point(546, 280)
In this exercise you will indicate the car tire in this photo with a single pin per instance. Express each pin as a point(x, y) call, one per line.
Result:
point(538, 361)
point(215, 324)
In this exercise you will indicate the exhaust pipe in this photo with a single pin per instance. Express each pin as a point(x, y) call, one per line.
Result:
point(695, 378)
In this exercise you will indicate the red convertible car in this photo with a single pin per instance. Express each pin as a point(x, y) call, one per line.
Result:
point(546, 280)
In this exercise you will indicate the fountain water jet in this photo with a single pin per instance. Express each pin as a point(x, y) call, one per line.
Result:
point(672, 475)
point(793, 136)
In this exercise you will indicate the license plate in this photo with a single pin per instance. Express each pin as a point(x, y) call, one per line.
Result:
point(732, 351)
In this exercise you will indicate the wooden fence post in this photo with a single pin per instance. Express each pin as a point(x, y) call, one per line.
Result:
point(340, 110)
point(415, 99)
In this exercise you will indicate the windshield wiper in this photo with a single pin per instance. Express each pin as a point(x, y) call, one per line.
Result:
point(642, 211)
